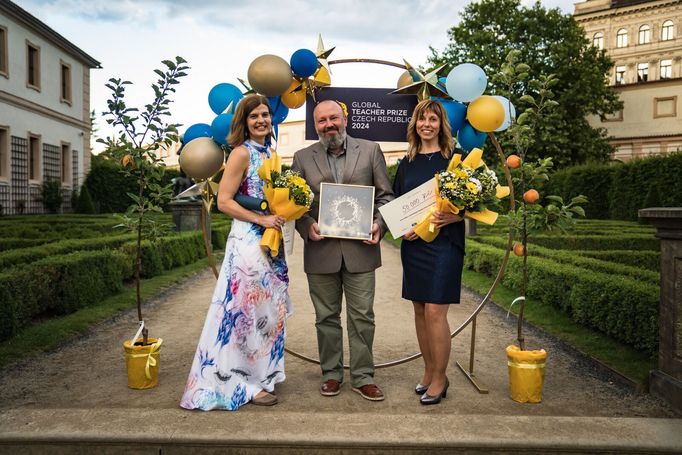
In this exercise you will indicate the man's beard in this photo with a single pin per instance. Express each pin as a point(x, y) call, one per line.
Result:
point(333, 142)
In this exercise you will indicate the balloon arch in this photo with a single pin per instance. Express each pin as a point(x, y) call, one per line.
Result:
point(473, 117)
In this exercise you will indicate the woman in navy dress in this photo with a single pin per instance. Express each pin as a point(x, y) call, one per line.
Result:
point(431, 271)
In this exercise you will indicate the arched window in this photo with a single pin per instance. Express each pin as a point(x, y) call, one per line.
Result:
point(667, 30)
point(644, 34)
point(622, 38)
point(598, 40)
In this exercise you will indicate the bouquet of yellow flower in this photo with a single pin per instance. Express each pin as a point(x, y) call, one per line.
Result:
point(288, 196)
point(467, 185)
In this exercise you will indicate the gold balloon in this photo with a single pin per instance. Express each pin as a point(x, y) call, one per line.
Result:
point(293, 99)
point(485, 113)
point(405, 79)
point(269, 75)
point(201, 158)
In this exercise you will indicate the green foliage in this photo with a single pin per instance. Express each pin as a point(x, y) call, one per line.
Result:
point(25, 255)
point(140, 158)
point(643, 242)
point(548, 43)
point(649, 260)
point(51, 195)
point(108, 186)
point(84, 203)
point(583, 261)
point(619, 190)
point(617, 305)
point(61, 277)
point(57, 285)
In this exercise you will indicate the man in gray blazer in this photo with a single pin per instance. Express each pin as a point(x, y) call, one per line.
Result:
point(337, 266)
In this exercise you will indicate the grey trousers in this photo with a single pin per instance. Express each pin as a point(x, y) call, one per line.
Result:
point(326, 292)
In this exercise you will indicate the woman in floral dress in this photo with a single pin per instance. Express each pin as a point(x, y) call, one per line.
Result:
point(240, 356)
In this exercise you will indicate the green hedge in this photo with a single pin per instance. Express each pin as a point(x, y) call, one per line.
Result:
point(618, 191)
point(597, 242)
point(7, 244)
point(650, 260)
point(588, 263)
point(58, 285)
point(24, 255)
point(618, 306)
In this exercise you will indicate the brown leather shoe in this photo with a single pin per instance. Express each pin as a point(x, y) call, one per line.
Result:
point(264, 399)
point(370, 392)
point(330, 388)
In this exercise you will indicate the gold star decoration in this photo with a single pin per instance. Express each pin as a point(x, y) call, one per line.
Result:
point(246, 85)
point(322, 54)
point(322, 77)
point(424, 85)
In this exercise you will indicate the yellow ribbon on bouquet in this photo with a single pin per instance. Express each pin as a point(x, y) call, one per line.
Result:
point(279, 203)
point(426, 230)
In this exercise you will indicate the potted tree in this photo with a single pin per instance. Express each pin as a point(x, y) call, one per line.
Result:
point(533, 213)
point(139, 133)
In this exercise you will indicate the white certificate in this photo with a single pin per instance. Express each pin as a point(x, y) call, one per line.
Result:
point(404, 213)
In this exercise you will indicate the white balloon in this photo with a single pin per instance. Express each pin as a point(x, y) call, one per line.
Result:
point(509, 112)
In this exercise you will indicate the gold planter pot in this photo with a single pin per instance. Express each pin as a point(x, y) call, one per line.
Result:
point(142, 363)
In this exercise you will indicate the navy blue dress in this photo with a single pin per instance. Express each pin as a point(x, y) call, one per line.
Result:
point(432, 272)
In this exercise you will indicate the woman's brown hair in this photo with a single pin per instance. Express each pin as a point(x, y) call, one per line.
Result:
point(239, 132)
point(445, 141)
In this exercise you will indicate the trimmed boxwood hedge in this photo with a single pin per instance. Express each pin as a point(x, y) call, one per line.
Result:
point(7, 244)
point(650, 260)
point(625, 309)
point(24, 255)
point(598, 242)
point(619, 190)
point(58, 285)
point(587, 263)
point(61, 284)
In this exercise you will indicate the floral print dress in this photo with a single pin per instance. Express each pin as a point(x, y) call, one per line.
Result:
point(241, 349)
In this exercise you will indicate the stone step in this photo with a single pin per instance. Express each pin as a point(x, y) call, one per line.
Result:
point(176, 431)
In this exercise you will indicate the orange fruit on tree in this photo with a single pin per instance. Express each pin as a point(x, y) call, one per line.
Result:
point(513, 161)
point(531, 196)
point(128, 160)
point(518, 249)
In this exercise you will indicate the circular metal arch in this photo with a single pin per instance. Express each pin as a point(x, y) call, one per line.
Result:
point(500, 272)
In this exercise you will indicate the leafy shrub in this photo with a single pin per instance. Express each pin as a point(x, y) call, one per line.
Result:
point(57, 285)
point(618, 191)
point(618, 306)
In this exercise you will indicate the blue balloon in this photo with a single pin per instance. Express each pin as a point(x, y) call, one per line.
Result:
point(509, 112)
point(457, 113)
point(279, 109)
point(220, 128)
point(469, 138)
point(222, 95)
point(466, 82)
point(195, 131)
point(303, 63)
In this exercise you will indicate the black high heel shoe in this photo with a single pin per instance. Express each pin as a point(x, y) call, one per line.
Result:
point(427, 399)
point(420, 389)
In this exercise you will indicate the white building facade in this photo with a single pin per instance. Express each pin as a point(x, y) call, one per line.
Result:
point(44, 111)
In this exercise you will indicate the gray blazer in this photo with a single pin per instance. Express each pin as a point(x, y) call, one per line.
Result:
point(365, 165)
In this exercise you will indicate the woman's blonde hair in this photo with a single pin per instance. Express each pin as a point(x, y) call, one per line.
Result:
point(239, 132)
point(445, 141)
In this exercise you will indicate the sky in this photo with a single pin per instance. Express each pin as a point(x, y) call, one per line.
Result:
point(220, 38)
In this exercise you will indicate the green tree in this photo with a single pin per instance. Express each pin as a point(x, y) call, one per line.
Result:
point(51, 195)
point(140, 134)
point(84, 202)
point(550, 43)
